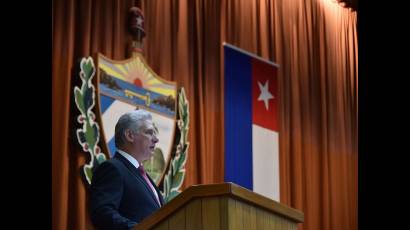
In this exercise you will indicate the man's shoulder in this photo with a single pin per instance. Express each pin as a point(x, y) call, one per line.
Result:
point(113, 162)
point(108, 173)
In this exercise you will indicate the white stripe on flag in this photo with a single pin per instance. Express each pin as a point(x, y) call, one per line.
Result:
point(265, 157)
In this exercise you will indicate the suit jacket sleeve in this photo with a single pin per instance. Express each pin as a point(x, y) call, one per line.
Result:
point(105, 198)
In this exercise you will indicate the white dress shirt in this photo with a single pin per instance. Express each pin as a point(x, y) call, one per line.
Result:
point(131, 159)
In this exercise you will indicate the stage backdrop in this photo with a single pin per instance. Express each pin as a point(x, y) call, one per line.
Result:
point(313, 41)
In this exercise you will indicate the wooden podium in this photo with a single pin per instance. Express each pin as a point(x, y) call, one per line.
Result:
point(222, 206)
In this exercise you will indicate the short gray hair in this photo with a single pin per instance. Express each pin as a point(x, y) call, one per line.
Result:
point(132, 120)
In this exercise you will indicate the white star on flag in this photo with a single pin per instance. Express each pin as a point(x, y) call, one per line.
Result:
point(265, 94)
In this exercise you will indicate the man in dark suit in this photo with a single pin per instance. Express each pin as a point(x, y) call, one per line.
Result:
point(121, 193)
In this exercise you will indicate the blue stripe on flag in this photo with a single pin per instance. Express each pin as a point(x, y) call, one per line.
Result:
point(238, 118)
point(105, 102)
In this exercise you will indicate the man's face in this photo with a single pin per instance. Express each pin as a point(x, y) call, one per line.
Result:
point(146, 140)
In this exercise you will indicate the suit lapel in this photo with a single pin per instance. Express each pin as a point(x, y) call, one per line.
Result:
point(136, 173)
point(161, 200)
point(127, 164)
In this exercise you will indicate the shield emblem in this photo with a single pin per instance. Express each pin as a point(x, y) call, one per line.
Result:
point(123, 86)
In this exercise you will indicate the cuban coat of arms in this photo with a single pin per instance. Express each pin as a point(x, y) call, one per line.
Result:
point(110, 88)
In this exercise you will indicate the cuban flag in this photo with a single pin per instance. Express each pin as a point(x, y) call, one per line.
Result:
point(251, 122)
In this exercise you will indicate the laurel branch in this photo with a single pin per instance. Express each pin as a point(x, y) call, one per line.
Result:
point(176, 173)
point(89, 135)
